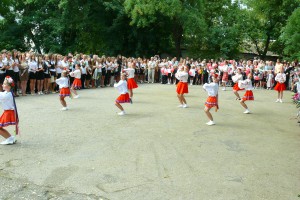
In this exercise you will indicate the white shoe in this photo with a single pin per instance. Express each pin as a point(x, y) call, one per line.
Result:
point(191, 84)
point(8, 141)
point(277, 100)
point(41, 93)
point(64, 109)
point(180, 106)
point(247, 111)
point(185, 106)
point(210, 123)
point(76, 97)
point(280, 100)
point(224, 89)
point(122, 113)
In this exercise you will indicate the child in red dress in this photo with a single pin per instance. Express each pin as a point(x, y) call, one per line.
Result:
point(182, 86)
point(131, 84)
point(212, 100)
point(63, 83)
point(280, 86)
point(236, 78)
point(124, 96)
point(248, 96)
point(77, 80)
point(10, 115)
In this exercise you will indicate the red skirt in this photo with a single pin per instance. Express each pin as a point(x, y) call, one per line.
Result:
point(77, 83)
point(211, 102)
point(280, 87)
point(225, 77)
point(182, 88)
point(236, 87)
point(64, 92)
point(123, 98)
point(131, 84)
point(7, 118)
point(248, 96)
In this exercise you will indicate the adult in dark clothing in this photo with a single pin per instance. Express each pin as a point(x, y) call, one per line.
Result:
point(118, 72)
point(287, 73)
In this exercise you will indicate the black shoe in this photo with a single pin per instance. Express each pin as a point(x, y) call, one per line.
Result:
point(130, 100)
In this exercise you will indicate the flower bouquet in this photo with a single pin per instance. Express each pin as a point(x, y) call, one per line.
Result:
point(296, 99)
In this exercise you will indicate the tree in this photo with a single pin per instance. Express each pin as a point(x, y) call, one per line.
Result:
point(291, 36)
point(182, 18)
point(264, 21)
point(224, 30)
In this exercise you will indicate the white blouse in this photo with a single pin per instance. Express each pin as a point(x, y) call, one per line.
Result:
point(76, 73)
point(182, 76)
point(211, 89)
point(7, 101)
point(32, 66)
point(63, 82)
point(121, 86)
point(16, 67)
point(130, 72)
point(247, 84)
point(237, 77)
point(280, 77)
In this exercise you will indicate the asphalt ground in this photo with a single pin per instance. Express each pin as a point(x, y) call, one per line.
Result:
point(156, 151)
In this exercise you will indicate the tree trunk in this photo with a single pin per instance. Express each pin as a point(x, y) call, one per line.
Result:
point(263, 56)
point(177, 37)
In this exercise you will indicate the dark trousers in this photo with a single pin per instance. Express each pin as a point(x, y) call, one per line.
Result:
point(107, 77)
point(83, 77)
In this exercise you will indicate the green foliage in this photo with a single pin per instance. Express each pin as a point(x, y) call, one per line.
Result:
point(203, 28)
point(182, 19)
point(264, 22)
point(291, 36)
point(224, 29)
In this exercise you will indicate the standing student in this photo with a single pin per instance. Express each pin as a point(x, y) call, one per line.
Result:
point(40, 75)
point(32, 63)
point(212, 100)
point(2, 71)
point(84, 65)
point(182, 86)
point(270, 80)
point(124, 96)
point(192, 74)
point(248, 96)
point(47, 75)
point(151, 70)
point(88, 74)
point(24, 74)
point(280, 86)
point(53, 65)
point(16, 70)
